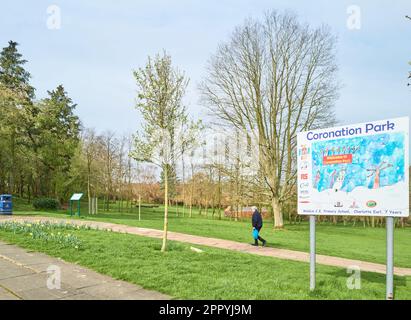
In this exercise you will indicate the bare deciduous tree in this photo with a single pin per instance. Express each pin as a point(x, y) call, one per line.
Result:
point(166, 129)
point(90, 150)
point(271, 79)
point(110, 153)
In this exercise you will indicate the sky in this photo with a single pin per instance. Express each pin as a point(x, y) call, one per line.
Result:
point(96, 45)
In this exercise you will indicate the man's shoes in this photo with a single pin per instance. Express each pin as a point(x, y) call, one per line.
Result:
point(264, 242)
point(254, 244)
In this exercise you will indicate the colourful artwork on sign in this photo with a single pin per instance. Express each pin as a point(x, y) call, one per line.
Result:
point(370, 161)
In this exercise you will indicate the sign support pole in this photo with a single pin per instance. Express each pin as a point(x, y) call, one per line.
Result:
point(312, 253)
point(390, 258)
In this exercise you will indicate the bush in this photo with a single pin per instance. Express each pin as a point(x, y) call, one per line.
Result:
point(46, 204)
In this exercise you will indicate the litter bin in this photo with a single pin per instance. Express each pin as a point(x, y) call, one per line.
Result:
point(6, 205)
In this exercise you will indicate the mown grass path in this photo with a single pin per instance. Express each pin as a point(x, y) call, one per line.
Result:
point(222, 244)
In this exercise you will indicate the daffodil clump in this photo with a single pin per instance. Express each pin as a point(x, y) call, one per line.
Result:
point(46, 231)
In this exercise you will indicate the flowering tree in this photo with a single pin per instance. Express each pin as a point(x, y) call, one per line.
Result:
point(166, 129)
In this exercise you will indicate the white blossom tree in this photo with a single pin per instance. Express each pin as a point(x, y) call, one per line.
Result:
point(166, 129)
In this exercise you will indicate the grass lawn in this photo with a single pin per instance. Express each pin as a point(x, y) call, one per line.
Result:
point(360, 243)
point(213, 274)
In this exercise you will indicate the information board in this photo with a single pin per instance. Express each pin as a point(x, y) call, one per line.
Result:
point(76, 196)
point(358, 170)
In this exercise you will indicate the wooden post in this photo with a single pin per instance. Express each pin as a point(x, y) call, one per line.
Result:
point(91, 205)
point(78, 208)
point(164, 246)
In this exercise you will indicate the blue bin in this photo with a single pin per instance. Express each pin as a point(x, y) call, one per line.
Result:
point(6, 204)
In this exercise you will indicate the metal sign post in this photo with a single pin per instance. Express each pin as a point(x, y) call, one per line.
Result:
point(390, 258)
point(312, 253)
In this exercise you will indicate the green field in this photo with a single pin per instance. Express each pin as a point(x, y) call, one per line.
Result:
point(360, 243)
point(212, 274)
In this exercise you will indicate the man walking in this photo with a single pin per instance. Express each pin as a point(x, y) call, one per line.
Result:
point(257, 222)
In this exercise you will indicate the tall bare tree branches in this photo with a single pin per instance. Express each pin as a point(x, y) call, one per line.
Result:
point(272, 79)
point(166, 130)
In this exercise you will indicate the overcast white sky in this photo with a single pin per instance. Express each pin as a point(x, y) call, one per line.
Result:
point(101, 42)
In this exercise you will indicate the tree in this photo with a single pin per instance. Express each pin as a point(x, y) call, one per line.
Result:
point(8, 131)
point(19, 127)
point(110, 148)
point(90, 144)
point(59, 136)
point(161, 88)
point(12, 73)
point(409, 73)
point(271, 79)
point(172, 180)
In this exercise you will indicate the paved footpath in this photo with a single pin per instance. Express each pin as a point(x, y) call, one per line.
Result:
point(24, 276)
point(223, 244)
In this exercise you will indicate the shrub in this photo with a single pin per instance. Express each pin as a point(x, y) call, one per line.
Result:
point(46, 204)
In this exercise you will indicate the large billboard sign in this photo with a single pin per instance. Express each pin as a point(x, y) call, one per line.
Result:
point(357, 170)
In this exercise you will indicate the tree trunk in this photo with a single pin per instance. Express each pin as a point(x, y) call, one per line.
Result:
point(164, 246)
point(219, 193)
point(278, 215)
point(90, 211)
point(183, 184)
point(176, 204)
point(13, 159)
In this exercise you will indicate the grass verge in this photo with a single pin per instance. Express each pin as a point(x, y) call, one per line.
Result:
point(212, 274)
point(352, 242)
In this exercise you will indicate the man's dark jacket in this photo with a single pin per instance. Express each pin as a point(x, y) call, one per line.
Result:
point(257, 220)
